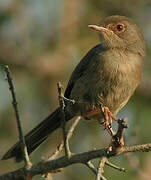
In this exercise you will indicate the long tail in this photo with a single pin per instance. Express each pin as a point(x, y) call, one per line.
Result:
point(37, 135)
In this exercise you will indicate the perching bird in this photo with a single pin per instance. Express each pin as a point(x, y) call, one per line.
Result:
point(102, 82)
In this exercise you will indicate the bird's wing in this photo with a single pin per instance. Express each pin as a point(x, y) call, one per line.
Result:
point(82, 67)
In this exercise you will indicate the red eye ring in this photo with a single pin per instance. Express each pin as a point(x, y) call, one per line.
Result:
point(120, 27)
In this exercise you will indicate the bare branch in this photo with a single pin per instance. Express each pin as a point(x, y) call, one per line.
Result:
point(90, 165)
point(114, 166)
point(99, 175)
point(69, 135)
point(15, 106)
point(44, 167)
point(62, 107)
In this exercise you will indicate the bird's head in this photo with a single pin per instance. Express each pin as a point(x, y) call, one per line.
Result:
point(121, 32)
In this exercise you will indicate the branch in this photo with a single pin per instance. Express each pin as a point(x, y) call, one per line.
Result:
point(114, 166)
point(15, 106)
point(99, 175)
point(61, 145)
point(90, 165)
point(63, 122)
point(44, 167)
point(69, 135)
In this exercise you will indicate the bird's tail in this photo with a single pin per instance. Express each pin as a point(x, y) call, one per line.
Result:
point(37, 135)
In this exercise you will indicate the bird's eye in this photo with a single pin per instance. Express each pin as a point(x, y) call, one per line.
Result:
point(120, 27)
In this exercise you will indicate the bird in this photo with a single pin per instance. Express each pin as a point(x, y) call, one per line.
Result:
point(101, 84)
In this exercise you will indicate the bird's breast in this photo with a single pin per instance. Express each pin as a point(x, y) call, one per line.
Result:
point(120, 76)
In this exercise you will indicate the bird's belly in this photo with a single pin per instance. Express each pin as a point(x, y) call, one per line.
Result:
point(117, 97)
point(116, 91)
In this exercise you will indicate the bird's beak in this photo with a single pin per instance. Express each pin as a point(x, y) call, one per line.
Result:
point(100, 29)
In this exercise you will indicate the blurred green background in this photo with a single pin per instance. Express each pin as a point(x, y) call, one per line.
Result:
point(42, 41)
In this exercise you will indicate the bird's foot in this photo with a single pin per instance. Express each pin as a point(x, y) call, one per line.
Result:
point(108, 115)
point(108, 118)
point(109, 129)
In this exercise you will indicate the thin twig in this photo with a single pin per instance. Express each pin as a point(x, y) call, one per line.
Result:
point(57, 151)
point(69, 135)
point(72, 101)
point(63, 122)
point(61, 145)
point(90, 165)
point(99, 175)
point(15, 106)
point(114, 166)
point(73, 126)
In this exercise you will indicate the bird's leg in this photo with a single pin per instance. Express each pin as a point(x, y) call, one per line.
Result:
point(92, 113)
point(108, 118)
point(108, 115)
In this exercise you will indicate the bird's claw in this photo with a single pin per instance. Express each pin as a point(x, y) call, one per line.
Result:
point(108, 118)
